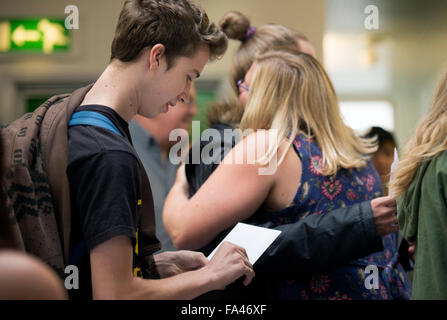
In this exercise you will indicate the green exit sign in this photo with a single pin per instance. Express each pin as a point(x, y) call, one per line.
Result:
point(35, 35)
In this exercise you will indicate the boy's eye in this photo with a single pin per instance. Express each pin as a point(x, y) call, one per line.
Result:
point(188, 77)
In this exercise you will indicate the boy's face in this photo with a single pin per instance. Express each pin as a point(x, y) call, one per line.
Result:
point(170, 86)
point(179, 117)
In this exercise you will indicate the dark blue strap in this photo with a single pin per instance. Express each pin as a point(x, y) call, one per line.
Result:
point(93, 118)
point(77, 252)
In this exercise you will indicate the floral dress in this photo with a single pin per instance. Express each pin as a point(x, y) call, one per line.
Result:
point(318, 194)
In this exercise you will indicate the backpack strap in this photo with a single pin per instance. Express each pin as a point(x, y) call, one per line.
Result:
point(53, 136)
point(93, 118)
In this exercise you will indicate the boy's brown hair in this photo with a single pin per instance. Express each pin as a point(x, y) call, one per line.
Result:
point(179, 25)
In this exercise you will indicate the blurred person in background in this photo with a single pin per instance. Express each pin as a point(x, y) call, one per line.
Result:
point(384, 156)
point(382, 160)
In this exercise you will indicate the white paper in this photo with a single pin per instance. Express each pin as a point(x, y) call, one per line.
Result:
point(390, 193)
point(255, 240)
point(395, 161)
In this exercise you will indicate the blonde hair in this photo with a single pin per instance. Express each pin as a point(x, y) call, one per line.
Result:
point(429, 140)
point(235, 25)
point(293, 94)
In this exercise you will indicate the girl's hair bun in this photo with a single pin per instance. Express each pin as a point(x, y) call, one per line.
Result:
point(235, 25)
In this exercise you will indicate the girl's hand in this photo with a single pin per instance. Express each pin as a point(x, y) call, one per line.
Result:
point(180, 179)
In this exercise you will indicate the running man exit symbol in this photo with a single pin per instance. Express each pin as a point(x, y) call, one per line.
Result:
point(44, 35)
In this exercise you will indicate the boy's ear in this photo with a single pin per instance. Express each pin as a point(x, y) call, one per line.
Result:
point(156, 54)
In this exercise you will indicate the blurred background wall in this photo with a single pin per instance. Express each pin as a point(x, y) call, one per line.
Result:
point(398, 64)
point(383, 76)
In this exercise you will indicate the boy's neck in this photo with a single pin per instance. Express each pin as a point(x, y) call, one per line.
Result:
point(115, 88)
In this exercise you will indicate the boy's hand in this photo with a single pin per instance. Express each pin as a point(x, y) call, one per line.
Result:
point(171, 263)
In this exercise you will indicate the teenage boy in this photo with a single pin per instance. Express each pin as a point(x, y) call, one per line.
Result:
point(159, 48)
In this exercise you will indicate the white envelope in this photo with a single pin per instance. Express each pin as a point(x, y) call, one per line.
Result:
point(395, 161)
point(255, 240)
point(390, 193)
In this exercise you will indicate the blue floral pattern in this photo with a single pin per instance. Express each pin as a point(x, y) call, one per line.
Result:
point(319, 194)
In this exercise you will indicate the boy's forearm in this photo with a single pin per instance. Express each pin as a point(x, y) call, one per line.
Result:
point(185, 286)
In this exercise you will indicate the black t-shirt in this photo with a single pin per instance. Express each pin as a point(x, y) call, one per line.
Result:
point(105, 190)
